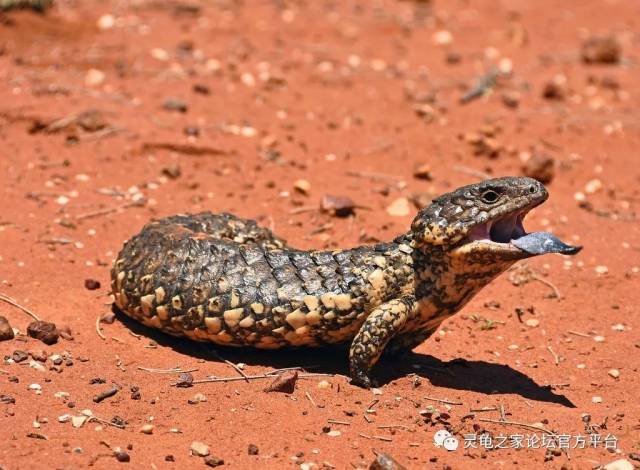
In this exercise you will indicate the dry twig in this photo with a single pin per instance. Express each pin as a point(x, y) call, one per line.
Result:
point(10, 301)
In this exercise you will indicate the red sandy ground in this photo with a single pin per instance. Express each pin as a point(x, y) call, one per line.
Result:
point(316, 90)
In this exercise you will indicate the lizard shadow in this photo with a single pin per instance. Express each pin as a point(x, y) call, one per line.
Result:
point(476, 376)
point(459, 374)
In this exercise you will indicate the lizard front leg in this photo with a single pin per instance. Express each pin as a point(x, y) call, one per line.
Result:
point(374, 334)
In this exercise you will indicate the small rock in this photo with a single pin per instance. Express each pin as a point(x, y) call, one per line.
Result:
point(340, 206)
point(302, 186)
point(121, 456)
point(599, 339)
point(596, 399)
point(213, 462)
point(386, 462)
point(253, 449)
point(323, 384)
point(423, 172)
point(442, 37)
point(44, 331)
point(615, 373)
point(94, 77)
point(285, 382)
point(540, 167)
point(106, 22)
point(172, 171)
point(334, 433)
point(6, 332)
point(620, 464)
point(511, 99)
point(399, 208)
point(37, 366)
point(91, 284)
point(199, 448)
point(65, 332)
point(7, 399)
point(197, 398)
point(593, 186)
point(108, 318)
point(191, 131)
point(421, 200)
point(532, 322)
point(159, 54)
point(555, 89)
point(201, 89)
point(147, 429)
point(19, 356)
point(175, 104)
point(185, 380)
point(601, 50)
point(78, 421)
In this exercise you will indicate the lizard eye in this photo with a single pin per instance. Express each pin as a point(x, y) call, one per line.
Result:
point(490, 196)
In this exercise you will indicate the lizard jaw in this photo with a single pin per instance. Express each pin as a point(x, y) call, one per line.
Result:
point(507, 234)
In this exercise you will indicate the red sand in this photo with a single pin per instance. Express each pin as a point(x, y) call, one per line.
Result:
point(316, 91)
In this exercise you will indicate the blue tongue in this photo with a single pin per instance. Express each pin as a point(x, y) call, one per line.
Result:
point(538, 243)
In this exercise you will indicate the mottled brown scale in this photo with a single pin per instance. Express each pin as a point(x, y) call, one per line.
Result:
point(223, 279)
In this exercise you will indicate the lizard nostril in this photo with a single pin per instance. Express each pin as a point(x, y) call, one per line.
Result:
point(532, 189)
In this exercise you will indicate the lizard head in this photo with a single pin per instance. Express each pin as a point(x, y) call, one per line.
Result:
point(485, 220)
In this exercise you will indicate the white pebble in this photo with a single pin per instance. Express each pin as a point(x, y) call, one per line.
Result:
point(199, 448)
point(147, 429)
point(159, 54)
point(442, 37)
point(593, 186)
point(323, 384)
point(615, 373)
point(601, 269)
point(334, 433)
point(94, 77)
point(596, 399)
point(106, 22)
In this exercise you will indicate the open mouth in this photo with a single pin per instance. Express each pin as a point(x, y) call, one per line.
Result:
point(509, 231)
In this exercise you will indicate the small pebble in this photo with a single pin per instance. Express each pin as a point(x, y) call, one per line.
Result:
point(121, 456)
point(199, 448)
point(147, 429)
point(213, 462)
point(532, 322)
point(601, 269)
point(253, 449)
point(94, 77)
point(324, 384)
point(599, 339)
point(615, 373)
point(106, 22)
point(302, 186)
point(399, 208)
point(442, 37)
point(6, 332)
point(596, 399)
point(620, 464)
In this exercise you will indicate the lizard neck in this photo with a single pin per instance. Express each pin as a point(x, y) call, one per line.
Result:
point(445, 282)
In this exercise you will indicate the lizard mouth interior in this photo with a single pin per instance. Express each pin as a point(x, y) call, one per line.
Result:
point(508, 234)
point(502, 230)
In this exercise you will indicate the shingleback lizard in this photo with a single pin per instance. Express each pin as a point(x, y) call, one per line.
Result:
point(219, 278)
